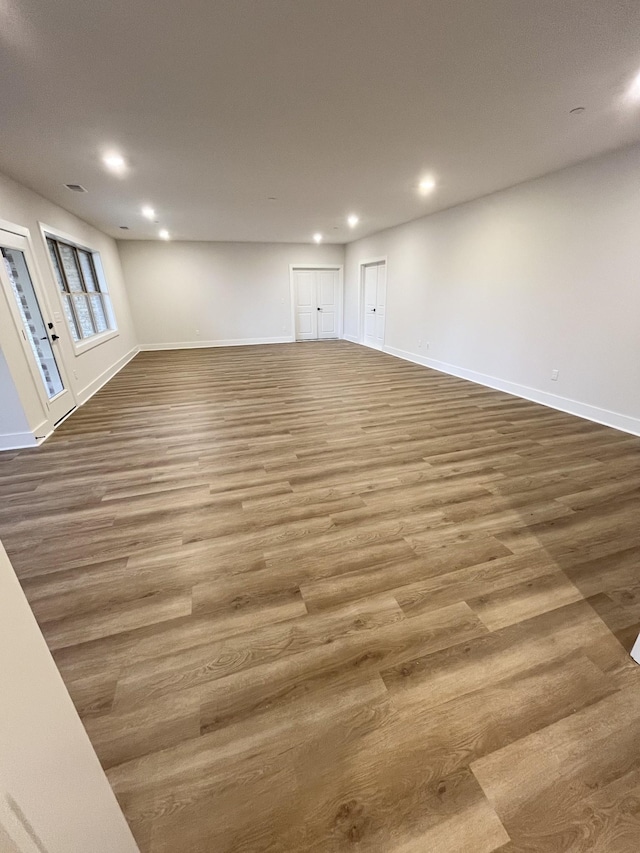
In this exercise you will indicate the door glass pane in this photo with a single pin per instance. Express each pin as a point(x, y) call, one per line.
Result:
point(83, 314)
point(71, 320)
point(32, 319)
point(69, 263)
point(98, 312)
point(87, 271)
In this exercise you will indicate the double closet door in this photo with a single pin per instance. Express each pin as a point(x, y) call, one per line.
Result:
point(317, 303)
point(375, 296)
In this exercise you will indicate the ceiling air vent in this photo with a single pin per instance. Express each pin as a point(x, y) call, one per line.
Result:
point(75, 188)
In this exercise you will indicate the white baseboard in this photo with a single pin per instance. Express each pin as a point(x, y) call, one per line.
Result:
point(21, 440)
point(93, 387)
point(353, 338)
point(625, 423)
point(17, 440)
point(239, 342)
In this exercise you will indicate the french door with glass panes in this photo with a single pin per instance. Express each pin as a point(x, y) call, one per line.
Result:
point(35, 326)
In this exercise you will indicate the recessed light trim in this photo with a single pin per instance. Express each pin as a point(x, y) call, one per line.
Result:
point(427, 185)
point(317, 238)
point(75, 188)
point(148, 212)
point(115, 163)
point(163, 234)
point(576, 111)
point(353, 220)
point(124, 227)
point(633, 92)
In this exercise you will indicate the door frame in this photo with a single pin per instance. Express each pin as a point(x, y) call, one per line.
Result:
point(292, 294)
point(40, 291)
point(381, 259)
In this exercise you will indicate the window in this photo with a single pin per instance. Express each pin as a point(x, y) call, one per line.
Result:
point(84, 294)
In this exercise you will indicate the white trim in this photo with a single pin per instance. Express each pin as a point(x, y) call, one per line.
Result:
point(17, 440)
point(94, 341)
point(80, 347)
point(292, 294)
point(18, 230)
point(87, 392)
point(239, 342)
point(625, 423)
point(57, 234)
point(352, 338)
point(40, 440)
point(635, 651)
point(93, 387)
point(42, 298)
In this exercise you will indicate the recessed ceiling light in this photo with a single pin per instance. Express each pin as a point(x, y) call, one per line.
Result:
point(576, 111)
point(633, 93)
point(317, 238)
point(148, 212)
point(163, 234)
point(124, 227)
point(272, 198)
point(115, 163)
point(75, 188)
point(353, 220)
point(427, 185)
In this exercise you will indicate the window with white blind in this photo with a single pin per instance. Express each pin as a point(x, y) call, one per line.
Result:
point(84, 293)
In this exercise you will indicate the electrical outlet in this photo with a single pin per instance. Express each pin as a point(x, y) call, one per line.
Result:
point(427, 345)
point(420, 344)
point(197, 333)
point(284, 328)
point(554, 375)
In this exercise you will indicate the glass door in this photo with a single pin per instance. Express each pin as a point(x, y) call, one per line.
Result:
point(38, 335)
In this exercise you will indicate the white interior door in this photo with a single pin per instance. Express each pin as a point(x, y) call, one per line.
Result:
point(35, 328)
point(327, 299)
point(317, 303)
point(375, 296)
point(381, 299)
point(306, 313)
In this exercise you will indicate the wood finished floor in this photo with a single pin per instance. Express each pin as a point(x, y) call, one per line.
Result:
point(313, 598)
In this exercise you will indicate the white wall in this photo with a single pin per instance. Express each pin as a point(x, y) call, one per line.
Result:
point(52, 787)
point(504, 289)
point(89, 369)
point(230, 292)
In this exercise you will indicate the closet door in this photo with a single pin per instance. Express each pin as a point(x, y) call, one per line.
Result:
point(317, 303)
point(375, 297)
point(327, 303)
point(305, 303)
point(381, 300)
point(370, 301)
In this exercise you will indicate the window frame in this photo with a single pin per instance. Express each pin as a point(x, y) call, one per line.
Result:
point(83, 344)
